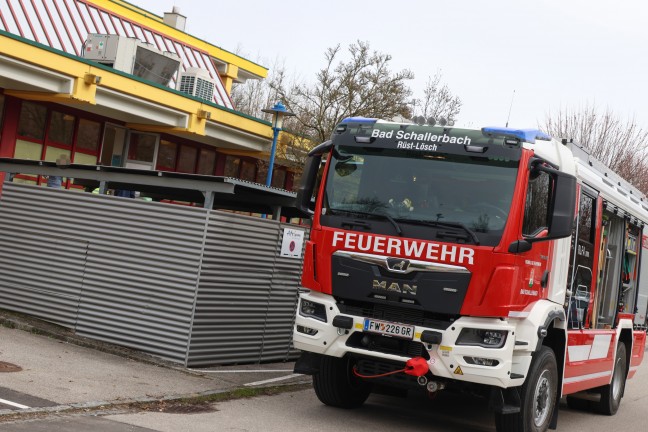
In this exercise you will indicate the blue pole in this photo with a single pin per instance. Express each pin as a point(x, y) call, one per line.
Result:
point(272, 155)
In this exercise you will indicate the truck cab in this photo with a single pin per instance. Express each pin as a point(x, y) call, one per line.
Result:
point(445, 245)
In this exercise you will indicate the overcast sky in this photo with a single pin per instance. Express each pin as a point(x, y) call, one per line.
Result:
point(553, 53)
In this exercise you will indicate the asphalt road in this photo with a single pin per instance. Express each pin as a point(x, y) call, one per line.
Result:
point(299, 411)
point(63, 373)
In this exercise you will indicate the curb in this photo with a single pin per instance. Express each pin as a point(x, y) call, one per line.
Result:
point(132, 403)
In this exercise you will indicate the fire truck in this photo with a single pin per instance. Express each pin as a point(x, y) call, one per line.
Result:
point(498, 261)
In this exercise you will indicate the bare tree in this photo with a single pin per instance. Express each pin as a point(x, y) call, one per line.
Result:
point(620, 144)
point(354, 82)
point(255, 95)
point(363, 85)
point(437, 101)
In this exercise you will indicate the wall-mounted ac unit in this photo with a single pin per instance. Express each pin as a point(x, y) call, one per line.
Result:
point(197, 82)
point(132, 56)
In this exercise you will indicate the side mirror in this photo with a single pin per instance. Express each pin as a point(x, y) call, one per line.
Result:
point(309, 178)
point(307, 184)
point(562, 205)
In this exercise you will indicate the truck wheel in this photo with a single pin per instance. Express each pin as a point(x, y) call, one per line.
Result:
point(335, 384)
point(537, 397)
point(612, 393)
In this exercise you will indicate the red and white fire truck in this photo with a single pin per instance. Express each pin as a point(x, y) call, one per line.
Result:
point(496, 260)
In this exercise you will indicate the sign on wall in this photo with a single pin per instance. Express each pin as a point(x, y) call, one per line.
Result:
point(292, 243)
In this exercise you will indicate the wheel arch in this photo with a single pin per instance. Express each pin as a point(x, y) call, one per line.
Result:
point(625, 336)
point(556, 340)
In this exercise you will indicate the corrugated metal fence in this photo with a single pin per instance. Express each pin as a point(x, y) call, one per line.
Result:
point(247, 293)
point(189, 285)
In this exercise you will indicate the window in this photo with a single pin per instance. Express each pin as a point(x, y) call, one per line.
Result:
point(61, 129)
point(232, 166)
point(207, 162)
point(585, 218)
point(167, 156)
point(279, 178)
point(142, 147)
point(88, 136)
point(248, 170)
point(426, 194)
point(536, 211)
point(32, 121)
point(87, 142)
point(262, 172)
point(187, 159)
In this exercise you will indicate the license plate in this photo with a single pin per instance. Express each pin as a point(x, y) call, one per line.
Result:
point(388, 328)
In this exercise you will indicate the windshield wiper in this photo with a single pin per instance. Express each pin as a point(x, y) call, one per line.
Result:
point(385, 216)
point(470, 232)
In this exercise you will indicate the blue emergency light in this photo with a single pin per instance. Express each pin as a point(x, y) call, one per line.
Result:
point(358, 120)
point(526, 135)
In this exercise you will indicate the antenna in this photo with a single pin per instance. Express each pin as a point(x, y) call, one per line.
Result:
point(510, 108)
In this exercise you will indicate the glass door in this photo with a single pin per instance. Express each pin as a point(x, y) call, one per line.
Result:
point(112, 149)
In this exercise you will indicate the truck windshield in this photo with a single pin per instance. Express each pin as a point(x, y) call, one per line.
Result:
point(435, 196)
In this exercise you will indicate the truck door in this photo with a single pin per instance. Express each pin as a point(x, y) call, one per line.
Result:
point(589, 354)
point(580, 301)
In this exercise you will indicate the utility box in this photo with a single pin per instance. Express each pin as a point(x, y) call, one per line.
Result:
point(132, 56)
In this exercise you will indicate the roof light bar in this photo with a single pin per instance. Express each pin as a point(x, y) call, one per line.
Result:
point(358, 120)
point(526, 135)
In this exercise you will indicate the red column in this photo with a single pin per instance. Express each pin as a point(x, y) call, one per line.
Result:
point(9, 129)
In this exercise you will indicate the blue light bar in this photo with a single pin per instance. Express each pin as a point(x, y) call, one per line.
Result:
point(526, 135)
point(358, 120)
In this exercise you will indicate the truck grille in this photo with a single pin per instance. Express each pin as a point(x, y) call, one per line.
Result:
point(387, 345)
point(394, 314)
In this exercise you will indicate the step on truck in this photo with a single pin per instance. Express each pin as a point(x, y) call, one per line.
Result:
point(498, 261)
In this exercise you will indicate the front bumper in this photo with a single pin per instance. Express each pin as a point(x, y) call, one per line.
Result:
point(447, 359)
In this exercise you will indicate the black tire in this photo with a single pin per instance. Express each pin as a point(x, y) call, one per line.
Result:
point(335, 385)
point(537, 397)
point(612, 393)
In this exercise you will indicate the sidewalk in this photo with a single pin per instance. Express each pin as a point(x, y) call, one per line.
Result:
point(64, 372)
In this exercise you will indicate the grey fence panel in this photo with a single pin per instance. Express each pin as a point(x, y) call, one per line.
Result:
point(40, 274)
point(234, 290)
point(280, 318)
point(141, 268)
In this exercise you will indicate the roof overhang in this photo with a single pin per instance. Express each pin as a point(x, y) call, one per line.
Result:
point(142, 105)
point(19, 75)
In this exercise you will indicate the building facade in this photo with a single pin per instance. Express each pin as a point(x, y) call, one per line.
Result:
point(104, 82)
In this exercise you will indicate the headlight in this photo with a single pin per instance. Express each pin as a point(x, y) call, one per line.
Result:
point(482, 337)
point(311, 309)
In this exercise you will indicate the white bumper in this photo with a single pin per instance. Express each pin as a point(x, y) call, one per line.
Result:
point(447, 359)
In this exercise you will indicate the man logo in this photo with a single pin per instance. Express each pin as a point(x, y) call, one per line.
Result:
point(395, 287)
point(398, 265)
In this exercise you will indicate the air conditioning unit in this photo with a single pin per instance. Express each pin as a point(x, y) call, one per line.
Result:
point(132, 56)
point(197, 82)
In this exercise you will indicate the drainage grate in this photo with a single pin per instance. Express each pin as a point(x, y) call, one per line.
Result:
point(8, 367)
